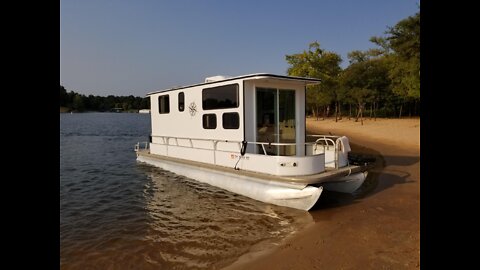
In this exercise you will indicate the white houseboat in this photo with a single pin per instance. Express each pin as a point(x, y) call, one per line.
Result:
point(247, 134)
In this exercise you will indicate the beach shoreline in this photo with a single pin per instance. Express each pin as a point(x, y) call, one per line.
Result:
point(379, 229)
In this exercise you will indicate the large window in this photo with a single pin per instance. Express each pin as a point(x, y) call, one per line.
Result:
point(276, 120)
point(221, 97)
point(230, 120)
point(181, 102)
point(209, 121)
point(164, 104)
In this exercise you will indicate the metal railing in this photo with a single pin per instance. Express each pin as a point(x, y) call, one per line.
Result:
point(138, 146)
point(330, 140)
point(166, 141)
point(323, 141)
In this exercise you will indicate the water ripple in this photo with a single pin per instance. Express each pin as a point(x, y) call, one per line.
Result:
point(117, 214)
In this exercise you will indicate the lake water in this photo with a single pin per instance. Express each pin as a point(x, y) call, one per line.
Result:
point(116, 213)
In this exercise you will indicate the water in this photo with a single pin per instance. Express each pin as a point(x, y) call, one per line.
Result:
point(116, 213)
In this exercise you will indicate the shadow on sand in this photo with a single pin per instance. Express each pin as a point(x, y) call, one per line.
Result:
point(378, 179)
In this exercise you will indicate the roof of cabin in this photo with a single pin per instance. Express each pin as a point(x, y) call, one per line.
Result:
point(255, 76)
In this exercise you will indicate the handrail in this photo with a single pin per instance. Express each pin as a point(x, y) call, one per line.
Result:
point(138, 146)
point(323, 140)
point(230, 141)
point(323, 136)
point(166, 141)
point(337, 144)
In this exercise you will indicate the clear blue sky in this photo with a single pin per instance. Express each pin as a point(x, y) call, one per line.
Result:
point(119, 47)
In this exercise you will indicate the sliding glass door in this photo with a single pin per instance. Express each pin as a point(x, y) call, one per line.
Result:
point(275, 112)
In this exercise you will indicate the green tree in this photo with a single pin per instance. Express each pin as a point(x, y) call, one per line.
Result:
point(321, 64)
point(404, 40)
point(78, 102)
point(63, 96)
point(366, 80)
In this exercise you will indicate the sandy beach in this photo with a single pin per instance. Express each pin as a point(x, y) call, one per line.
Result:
point(376, 228)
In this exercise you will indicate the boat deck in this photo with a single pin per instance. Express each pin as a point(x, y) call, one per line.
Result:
point(329, 175)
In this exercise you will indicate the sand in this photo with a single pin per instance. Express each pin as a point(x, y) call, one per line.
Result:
point(376, 228)
point(405, 132)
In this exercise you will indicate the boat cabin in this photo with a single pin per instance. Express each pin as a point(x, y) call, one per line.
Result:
point(247, 135)
point(253, 122)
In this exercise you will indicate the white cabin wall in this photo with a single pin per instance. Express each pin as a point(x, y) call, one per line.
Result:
point(300, 121)
point(184, 125)
point(199, 143)
point(250, 119)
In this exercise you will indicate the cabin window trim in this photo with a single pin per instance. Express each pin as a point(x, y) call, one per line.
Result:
point(236, 122)
point(209, 121)
point(165, 109)
point(181, 101)
point(236, 102)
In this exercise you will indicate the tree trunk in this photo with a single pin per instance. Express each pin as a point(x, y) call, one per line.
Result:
point(371, 110)
point(375, 108)
point(339, 111)
point(350, 112)
point(336, 111)
point(358, 112)
point(400, 114)
point(324, 112)
point(316, 111)
point(361, 113)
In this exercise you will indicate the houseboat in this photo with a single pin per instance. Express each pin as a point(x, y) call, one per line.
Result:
point(247, 135)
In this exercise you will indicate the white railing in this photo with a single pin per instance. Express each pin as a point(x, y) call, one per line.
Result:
point(166, 141)
point(327, 145)
point(138, 146)
point(329, 141)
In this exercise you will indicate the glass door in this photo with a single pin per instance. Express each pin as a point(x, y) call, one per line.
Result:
point(286, 121)
point(267, 119)
point(276, 120)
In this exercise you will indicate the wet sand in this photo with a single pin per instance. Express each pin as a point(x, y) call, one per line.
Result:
point(376, 228)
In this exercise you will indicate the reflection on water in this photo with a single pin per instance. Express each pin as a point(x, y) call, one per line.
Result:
point(116, 213)
point(200, 226)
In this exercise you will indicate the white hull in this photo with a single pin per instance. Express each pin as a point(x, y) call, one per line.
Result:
point(351, 183)
point(299, 196)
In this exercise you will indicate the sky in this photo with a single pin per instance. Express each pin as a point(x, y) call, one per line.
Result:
point(119, 47)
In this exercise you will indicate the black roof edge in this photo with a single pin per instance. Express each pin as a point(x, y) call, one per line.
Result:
point(239, 78)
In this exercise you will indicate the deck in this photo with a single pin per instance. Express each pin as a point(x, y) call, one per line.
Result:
point(330, 174)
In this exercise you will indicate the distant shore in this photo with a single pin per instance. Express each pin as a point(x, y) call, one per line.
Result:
point(377, 230)
point(68, 110)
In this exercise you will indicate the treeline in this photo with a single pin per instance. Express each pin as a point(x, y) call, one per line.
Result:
point(383, 81)
point(78, 102)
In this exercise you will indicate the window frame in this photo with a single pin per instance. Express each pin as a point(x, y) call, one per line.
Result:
point(237, 97)
point(207, 115)
point(167, 96)
point(231, 113)
point(182, 94)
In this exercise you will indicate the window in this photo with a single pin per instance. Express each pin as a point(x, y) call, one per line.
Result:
point(221, 97)
point(164, 104)
point(210, 121)
point(181, 102)
point(230, 120)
